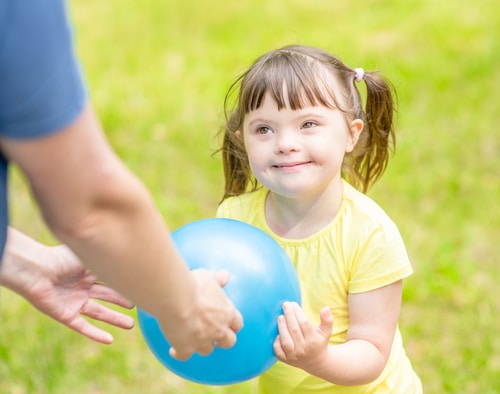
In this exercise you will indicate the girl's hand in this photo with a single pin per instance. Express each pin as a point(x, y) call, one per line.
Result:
point(299, 343)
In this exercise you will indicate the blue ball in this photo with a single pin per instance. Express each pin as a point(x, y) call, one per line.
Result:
point(262, 278)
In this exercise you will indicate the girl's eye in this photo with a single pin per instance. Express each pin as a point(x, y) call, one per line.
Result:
point(263, 130)
point(308, 125)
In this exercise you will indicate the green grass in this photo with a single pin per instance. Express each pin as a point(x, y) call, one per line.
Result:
point(157, 73)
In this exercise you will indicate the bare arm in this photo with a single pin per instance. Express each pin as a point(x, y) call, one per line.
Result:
point(92, 203)
point(373, 318)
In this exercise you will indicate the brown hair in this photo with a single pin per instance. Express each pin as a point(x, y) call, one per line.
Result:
point(306, 72)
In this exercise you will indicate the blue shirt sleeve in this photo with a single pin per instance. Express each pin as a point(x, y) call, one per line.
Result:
point(41, 84)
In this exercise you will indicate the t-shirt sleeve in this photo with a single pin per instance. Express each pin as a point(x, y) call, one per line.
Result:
point(379, 258)
point(41, 84)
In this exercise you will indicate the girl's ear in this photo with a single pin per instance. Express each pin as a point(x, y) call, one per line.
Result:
point(355, 131)
point(238, 135)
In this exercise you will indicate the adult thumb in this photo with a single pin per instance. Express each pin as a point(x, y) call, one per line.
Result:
point(222, 277)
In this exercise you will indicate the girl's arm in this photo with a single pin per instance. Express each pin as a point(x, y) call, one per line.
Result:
point(373, 319)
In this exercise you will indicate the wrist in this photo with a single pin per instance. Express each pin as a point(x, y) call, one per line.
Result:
point(20, 263)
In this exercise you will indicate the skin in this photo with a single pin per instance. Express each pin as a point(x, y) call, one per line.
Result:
point(298, 155)
point(104, 214)
point(54, 281)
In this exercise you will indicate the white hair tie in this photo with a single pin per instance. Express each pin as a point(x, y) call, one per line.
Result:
point(359, 74)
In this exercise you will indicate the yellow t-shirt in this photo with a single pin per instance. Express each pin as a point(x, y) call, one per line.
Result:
point(360, 250)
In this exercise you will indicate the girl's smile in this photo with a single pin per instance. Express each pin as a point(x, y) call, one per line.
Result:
point(297, 153)
point(293, 120)
point(290, 166)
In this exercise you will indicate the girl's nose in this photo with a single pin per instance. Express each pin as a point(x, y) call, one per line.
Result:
point(287, 142)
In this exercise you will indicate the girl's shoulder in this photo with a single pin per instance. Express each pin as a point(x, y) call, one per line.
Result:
point(245, 207)
point(359, 207)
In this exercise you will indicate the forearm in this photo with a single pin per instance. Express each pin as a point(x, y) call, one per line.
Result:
point(93, 204)
point(124, 241)
point(355, 362)
point(104, 214)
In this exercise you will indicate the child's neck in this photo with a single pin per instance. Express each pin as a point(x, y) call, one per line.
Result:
point(298, 219)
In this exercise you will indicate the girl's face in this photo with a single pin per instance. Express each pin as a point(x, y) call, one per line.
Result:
point(298, 153)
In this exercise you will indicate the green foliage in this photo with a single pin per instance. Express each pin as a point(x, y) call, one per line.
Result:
point(157, 73)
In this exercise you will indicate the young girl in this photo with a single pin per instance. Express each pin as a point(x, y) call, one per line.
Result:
point(296, 133)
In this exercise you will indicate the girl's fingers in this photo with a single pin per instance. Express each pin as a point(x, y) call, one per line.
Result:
point(286, 340)
point(305, 326)
point(326, 324)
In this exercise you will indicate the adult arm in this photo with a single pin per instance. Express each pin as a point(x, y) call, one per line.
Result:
point(92, 203)
point(52, 279)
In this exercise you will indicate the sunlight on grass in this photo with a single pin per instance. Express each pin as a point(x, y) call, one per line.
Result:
point(157, 73)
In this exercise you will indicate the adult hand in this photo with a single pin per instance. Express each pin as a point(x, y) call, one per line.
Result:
point(52, 279)
point(213, 322)
point(68, 291)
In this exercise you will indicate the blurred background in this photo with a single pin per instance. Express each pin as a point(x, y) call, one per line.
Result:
point(157, 73)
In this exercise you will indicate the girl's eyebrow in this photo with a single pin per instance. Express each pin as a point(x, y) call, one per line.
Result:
point(258, 120)
point(298, 115)
point(308, 113)
point(261, 117)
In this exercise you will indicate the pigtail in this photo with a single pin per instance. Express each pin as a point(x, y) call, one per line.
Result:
point(237, 173)
point(301, 69)
point(371, 155)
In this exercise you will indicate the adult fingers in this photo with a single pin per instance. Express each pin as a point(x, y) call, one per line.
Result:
point(226, 341)
point(102, 292)
point(85, 328)
point(237, 321)
point(222, 277)
point(183, 355)
point(100, 312)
